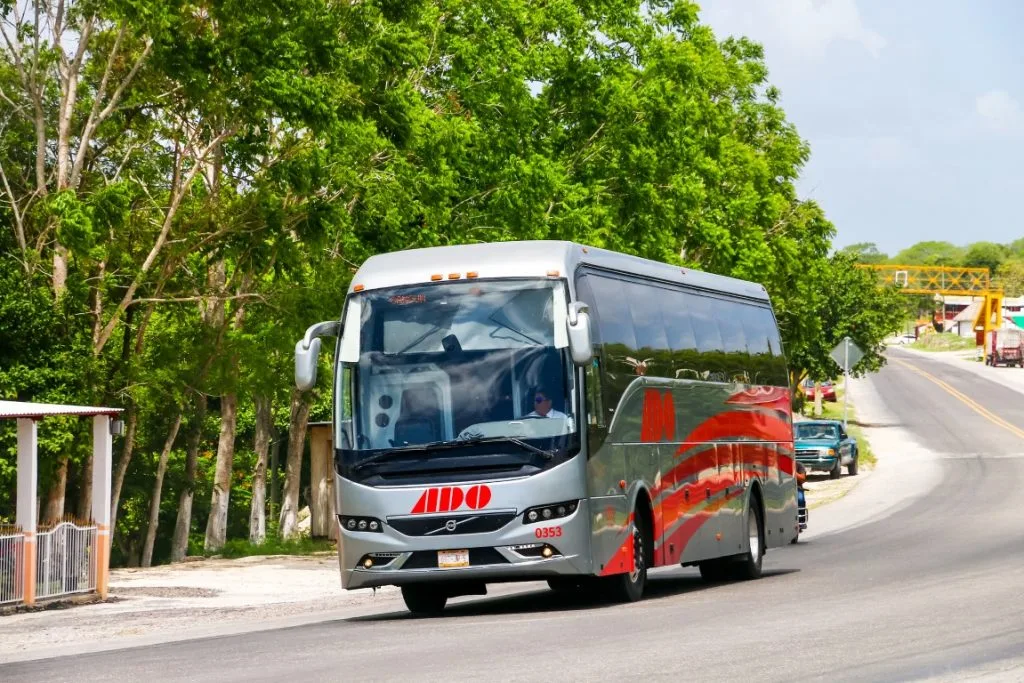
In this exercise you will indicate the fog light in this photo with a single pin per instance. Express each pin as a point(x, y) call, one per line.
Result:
point(547, 552)
point(368, 563)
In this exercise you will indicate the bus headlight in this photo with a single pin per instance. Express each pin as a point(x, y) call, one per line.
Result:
point(545, 513)
point(367, 524)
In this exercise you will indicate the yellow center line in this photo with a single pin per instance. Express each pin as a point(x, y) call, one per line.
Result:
point(970, 402)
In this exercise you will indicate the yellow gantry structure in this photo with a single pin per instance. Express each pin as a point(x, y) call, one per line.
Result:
point(948, 280)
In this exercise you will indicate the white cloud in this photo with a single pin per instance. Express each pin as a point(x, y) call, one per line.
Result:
point(1000, 112)
point(801, 28)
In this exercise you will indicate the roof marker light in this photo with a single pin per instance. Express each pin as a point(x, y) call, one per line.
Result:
point(435, 277)
point(358, 288)
point(553, 273)
point(472, 274)
point(453, 276)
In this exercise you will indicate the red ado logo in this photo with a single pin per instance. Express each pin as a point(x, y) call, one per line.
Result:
point(450, 498)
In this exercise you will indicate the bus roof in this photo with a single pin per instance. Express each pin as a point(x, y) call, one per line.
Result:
point(539, 258)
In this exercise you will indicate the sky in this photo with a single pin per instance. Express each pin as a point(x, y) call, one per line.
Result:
point(913, 109)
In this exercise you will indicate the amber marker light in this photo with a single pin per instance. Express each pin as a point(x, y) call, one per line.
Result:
point(472, 274)
point(453, 276)
point(358, 288)
point(435, 277)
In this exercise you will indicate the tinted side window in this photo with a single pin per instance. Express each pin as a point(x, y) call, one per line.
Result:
point(618, 342)
point(675, 313)
point(655, 355)
point(757, 327)
point(729, 315)
point(713, 363)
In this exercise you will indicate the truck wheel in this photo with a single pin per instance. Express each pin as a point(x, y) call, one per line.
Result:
point(836, 471)
point(749, 566)
point(424, 599)
point(629, 587)
point(852, 467)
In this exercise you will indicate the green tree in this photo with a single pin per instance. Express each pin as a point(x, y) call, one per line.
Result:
point(849, 303)
point(865, 252)
point(931, 253)
point(985, 255)
point(1010, 275)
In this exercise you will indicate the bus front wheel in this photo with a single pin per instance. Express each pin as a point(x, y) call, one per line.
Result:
point(629, 587)
point(424, 599)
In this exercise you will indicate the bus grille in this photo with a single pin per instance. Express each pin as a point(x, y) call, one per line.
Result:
point(439, 525)
point(427, 559)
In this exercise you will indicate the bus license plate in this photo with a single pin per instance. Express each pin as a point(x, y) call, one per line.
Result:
point(447, 559)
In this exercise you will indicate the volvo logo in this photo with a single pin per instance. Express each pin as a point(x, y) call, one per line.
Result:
point(452, 525)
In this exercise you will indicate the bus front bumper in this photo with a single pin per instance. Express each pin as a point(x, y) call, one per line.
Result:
point(515, 553)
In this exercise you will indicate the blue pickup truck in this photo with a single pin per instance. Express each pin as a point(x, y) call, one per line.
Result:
point(824, 446)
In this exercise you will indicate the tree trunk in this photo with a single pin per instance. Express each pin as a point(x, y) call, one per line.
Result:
point(217, 523)
point(131, 423)
point(183, 524)
point(158, 487)
point(275, 484)
point(817, 399)
point(258, 512)
point(84, 509)
point(55, 498)
point(293, 469)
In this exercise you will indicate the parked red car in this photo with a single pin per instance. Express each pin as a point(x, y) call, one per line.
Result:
point(828, 391)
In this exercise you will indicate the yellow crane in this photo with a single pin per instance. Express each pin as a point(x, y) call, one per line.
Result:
point(949, 280)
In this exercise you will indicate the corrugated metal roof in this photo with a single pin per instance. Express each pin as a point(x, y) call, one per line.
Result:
point(13, 409)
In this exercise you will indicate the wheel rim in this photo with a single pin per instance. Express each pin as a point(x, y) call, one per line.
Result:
point(638, 554)
point(755, 536)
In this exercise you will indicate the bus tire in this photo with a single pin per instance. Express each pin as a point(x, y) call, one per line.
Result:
point(629, 587)
point(749, 564)
point(424, 599)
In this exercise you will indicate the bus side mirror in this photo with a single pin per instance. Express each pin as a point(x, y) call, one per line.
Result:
point(307, 353)
point(580, 344)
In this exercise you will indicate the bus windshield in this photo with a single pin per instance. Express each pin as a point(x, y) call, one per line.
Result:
point(460, 361)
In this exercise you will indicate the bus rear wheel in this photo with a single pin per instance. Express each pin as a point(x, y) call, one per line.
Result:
point(424, 599)
point(749, 564)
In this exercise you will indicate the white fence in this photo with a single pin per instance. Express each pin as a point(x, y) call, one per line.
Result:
point(66, 561)
point(12, 566)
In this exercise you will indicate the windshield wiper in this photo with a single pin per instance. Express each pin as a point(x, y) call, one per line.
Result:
point(448, 445)
point(547, 455)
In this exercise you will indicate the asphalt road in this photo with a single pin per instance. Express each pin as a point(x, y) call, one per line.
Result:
point(935, 589)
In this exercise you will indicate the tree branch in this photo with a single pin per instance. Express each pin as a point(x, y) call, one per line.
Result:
point(97, 116)
point(176, 199)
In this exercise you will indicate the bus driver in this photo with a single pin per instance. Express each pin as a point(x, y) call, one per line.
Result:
point(542, 407)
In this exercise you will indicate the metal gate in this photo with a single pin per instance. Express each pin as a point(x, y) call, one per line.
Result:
point(66, 561)
point(12, 565)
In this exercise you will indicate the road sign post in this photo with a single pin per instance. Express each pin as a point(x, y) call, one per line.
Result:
point(846, 354)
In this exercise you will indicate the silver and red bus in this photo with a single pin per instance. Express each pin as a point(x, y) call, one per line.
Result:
point(550, 411)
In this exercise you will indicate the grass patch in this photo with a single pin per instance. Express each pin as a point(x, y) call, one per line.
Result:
point(273, 546)
point(834, 411)
point(944, 341)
